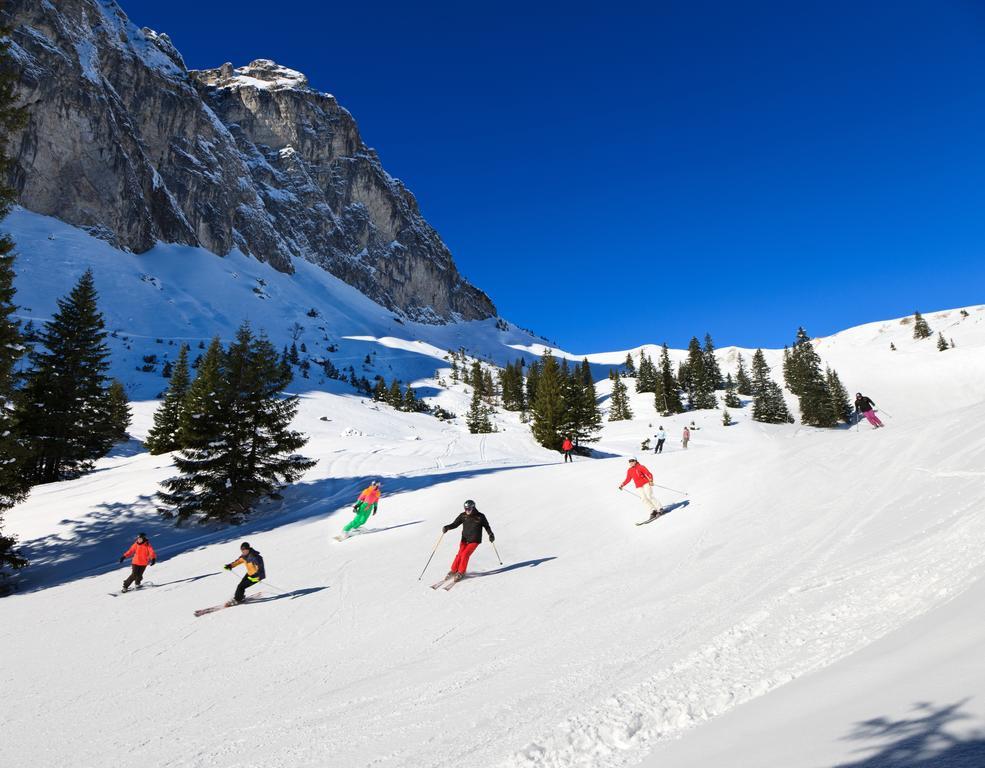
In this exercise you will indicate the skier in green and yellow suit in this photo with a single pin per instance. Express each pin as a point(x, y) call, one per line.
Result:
point(364, 507)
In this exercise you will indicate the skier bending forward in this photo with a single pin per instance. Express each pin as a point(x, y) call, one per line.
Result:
point(254, 570)
point(365, 507)
point(143, 555)
point(472, 522)
point(643, 480)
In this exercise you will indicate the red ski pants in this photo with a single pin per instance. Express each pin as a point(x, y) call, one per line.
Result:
point(461, 562)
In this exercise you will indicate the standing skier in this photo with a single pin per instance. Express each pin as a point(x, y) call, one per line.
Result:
point(643, 480)
point(365, 506)
point(143, 555)
point(254, 570)
point(865, 407)
point(686, 437)
point(661, 436)
point(566, 446)
point(472, 522)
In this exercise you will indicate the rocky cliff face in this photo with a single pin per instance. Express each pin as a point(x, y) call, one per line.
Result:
point(125, 141)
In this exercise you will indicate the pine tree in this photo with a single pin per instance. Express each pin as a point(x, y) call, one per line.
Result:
point(731, 396)
point(811, 387)
point(394, 396)
point(629, 367)
point(743, 383)
point(199, 418)
point(726, 418)
point(119, 411)
point(841, 406)
point(668, 394)
point(163, 436)
point(619, 409)
point(63, 409)
point(252, 454)
point(712, 369)
point(547, 404)
point(533, 378)
point(701, 381)
point(410, 404)
point(768, 405)
point(477, 419)
point(14, 482)
point(292, 355)
point(646, 376)
point(586, 417)
point(921, 330)
point(380, 391)
point(941, 342)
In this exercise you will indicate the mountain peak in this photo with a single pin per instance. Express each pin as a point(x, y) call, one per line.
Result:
point(263, 74)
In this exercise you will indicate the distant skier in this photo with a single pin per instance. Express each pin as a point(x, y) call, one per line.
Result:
point(143, 555)
point(661, 436)
point(865, 407)
point(254, 570)
point(472, 522)
point(642, 478)
point(567, 447)
point(686, 437)
point(364, 507)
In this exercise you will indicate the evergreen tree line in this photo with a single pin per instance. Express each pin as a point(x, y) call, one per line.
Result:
point(823, 399)
point(562, 402)
point(402, 399)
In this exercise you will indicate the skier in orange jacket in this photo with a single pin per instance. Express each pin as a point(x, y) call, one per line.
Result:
point(364, 507)
point(143, 555)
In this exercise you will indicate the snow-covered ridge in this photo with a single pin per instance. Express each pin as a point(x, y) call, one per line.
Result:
point(263, 74)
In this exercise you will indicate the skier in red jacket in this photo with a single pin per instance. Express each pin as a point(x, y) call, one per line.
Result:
point(143, 555)
point(642, 478)
point(567, 447)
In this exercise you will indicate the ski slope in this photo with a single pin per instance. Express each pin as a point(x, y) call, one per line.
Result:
point(812, 580)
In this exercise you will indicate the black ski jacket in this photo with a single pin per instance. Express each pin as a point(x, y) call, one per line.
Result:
point(863, 404)
point(472, 526)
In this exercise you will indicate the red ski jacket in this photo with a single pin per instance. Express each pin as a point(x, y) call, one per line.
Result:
point(639, 474)
point(566, 445)
point(142, 553)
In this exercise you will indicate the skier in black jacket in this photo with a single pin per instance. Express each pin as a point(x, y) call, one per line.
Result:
point(472, 522)
point(865, 407)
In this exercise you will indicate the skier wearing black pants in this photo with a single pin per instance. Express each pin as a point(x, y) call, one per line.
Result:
point(254, 570)
point(661, 437)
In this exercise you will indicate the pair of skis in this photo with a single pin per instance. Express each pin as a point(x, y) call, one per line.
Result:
point(446, 583)
point(227, 604)
point(652, 518)
point(145, 585)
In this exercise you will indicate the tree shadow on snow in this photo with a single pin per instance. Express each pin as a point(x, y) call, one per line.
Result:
point(922, 740)
point(512, 567)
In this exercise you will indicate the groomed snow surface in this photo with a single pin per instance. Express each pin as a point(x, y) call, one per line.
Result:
point(815, 600)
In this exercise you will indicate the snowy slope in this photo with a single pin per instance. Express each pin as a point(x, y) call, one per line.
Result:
point(802, 561)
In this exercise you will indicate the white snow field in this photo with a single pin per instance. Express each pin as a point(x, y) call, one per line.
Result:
point(810, 580)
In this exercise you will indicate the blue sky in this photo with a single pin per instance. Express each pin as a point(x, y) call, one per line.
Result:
point(620, 173)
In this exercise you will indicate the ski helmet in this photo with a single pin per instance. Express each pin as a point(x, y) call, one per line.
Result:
point(141, 535)
point(245, 545)
point(469, 504)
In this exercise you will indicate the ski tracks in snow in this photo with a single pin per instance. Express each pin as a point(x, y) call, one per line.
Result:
point(795, 631)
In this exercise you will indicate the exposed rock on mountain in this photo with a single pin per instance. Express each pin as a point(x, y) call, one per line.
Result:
point(125, 141)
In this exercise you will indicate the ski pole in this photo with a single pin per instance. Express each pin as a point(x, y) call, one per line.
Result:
point(497, 552)
point(682, 493)
point(432, 555)
point(883, 410)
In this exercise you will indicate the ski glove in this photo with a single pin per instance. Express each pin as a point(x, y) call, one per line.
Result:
point(444, 529)
point(355, 507)
point(254, 579)
point(153, 561)
point(227, 567)
point(492, 538)
point(122, 558)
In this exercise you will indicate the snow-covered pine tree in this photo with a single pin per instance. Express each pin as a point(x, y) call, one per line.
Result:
point(250, 452)
point(119, 412)
point(743, 383)
point(547, 405)
point(629, 367)
point(768, 405)
point(701, 392)
point(380, 391)
point(712, 369)
point(668, 395)
point(163, 436)
point(921, 330)
point(646, 375)
point(942, 344)
point(812, 389)
point(619, 409)
point(726, 418)
point(731, 395)
point(477, 419)
point(63, 408)
point(410, 403)
point(841, 406)
point(14, 482)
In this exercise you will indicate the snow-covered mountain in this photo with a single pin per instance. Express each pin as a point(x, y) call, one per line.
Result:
point(808, 581)
point(124, 140)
